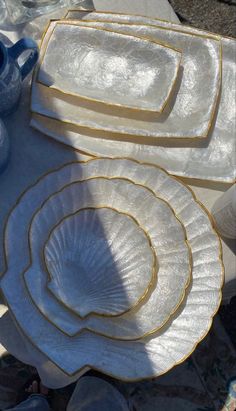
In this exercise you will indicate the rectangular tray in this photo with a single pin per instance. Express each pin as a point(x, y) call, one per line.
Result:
point(111, 68)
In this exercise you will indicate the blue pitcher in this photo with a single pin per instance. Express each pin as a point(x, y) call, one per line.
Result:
point(4, 147)
point(12, 75)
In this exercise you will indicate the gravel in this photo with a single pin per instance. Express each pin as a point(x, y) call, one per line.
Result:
point(218, 16)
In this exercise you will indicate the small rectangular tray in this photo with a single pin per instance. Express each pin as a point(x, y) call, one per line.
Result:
point(108, 67)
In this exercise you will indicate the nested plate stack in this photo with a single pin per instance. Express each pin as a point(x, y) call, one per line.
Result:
point(113, 265)
point(121, 85)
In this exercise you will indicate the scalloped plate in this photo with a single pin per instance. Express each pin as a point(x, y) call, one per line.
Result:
point(110, 68)
point(150, 356)
point(167, 238)
point(187, 117)
point(99, 261)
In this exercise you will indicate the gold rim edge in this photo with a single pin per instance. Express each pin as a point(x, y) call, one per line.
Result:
point(116, 133)
point(98, 368)
point(87, 10)
point(181, 177)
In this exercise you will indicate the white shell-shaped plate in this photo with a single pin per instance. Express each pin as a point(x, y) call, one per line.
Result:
point(99, 261)
point(167, 237)
point(112, 68)
point(192, 109)
point(214, 160)
point(127, 360)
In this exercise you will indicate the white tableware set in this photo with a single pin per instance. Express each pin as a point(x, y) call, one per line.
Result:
point(112, 263)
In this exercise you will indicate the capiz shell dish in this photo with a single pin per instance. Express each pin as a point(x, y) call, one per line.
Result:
point(168, 239)
point(99, 261)
point(112, 68)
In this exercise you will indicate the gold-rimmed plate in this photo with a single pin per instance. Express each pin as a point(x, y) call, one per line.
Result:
point(99, 261)
point(190, 114)
point(150, 356)
point(111, 68)
point(167, 237)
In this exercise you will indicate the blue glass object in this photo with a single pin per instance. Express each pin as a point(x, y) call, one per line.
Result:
point(21, 11)
point(12, 75)
point(4, 147)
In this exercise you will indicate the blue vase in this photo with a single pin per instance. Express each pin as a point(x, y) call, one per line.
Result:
point(12, 75)
point(4, 147)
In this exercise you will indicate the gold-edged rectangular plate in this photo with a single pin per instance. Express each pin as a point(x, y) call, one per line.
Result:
point(115, 69)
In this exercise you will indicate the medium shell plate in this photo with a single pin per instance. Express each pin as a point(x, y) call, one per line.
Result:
point(167, 238)
point(150, 356)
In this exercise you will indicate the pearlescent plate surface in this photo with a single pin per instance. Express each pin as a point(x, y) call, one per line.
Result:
point(151, 356)
point(167, 238)
point(213, 160)
point(99, 261)
point(192, 107)
point(109, 67)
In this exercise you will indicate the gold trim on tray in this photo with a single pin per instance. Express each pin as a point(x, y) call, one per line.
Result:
point(144, 38)
point(88, 365)
point(120, 132)
point(81, 10)
point(185, 179)
point(132, 23)
point(153, 282)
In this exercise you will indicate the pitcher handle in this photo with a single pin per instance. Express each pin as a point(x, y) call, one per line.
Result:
point(23, 45)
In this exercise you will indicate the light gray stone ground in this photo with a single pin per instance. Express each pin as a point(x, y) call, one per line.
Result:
point(218, 16)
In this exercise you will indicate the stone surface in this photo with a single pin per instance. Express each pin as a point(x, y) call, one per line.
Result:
point(218, 16)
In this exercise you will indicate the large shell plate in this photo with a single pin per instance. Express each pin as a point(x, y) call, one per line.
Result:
point(127, 360)
point(214, 160)
point(99, 261)
point(190, 114)
point(167, 238)
point(105, 66)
